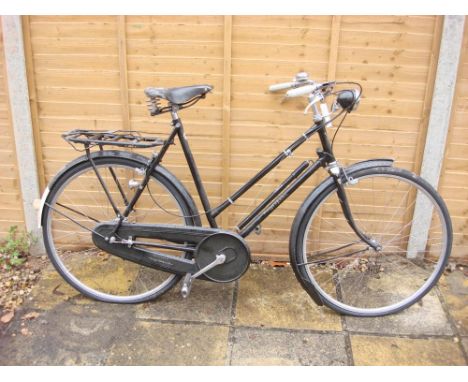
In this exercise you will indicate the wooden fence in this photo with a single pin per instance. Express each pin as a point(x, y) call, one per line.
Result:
point(90, 72)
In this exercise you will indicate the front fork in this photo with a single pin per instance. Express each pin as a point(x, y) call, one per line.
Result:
point(337, 173)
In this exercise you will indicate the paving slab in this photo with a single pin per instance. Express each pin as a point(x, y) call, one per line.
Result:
point(208, 302)
point(390, 351)
point(69, 334)
point(426, 317)
point(465, 344)
point(272, 297)
point(278, 347)
point(157, 343)
point(51, 290)
point(112, 274)
point(454, 287)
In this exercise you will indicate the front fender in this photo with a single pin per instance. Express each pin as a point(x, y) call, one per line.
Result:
point(380, 162)
point(310, 289)
point(140, 159)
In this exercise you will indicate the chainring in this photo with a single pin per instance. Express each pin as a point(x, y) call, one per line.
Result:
point(233, 247)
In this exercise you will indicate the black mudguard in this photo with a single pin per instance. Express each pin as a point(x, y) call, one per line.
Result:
point(141, 160)
point(300, 275)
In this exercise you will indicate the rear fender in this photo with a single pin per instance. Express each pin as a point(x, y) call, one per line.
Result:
point(140, 159)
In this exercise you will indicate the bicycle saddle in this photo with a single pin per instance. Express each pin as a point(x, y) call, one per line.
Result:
point(178, 95)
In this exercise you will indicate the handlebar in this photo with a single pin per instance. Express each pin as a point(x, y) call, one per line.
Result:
point(282, 86)
point(301, 85)
point(303, 90)
point(299, 81)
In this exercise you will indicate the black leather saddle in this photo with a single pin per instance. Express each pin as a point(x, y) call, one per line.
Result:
point(178, 95)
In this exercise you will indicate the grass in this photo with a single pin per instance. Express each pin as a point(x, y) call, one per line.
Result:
point(14, 250)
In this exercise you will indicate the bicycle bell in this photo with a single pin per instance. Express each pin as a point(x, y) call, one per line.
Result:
point(302, 77)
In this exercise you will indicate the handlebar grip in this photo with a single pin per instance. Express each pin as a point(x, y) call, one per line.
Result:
point(303, 90)
point(282, 86)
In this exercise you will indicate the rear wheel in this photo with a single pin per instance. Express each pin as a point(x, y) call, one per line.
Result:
point(77, 203)
point(355, 279)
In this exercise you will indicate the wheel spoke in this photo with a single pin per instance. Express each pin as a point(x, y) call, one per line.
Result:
point(74, 210)
point(367, 280)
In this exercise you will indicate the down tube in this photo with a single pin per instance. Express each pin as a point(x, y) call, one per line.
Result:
point(285, 195)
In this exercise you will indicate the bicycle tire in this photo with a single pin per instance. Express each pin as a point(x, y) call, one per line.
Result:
point(331, 298)
point(131, 161)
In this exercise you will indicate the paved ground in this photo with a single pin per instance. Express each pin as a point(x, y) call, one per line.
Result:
point(264, 319)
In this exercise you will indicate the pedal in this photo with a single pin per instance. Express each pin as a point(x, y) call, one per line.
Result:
point(188, 279)
point(186, 285)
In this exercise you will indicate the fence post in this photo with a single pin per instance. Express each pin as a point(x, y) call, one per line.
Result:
point(439, 122)
point(15, 64)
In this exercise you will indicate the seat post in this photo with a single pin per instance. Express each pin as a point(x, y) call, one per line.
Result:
point(176, 122)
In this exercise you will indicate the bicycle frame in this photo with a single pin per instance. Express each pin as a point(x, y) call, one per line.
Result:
point(303, 172)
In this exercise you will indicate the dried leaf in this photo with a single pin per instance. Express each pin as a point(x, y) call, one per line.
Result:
point(6, 318)
point(25, 332)
point(30, 316)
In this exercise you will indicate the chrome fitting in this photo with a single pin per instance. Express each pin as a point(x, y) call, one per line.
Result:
point(140, 171)
point(334, 169)
point(318, 118)
point(132, 183)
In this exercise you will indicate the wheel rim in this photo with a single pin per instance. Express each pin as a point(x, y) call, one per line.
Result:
point(373, 283)
point(93, 272)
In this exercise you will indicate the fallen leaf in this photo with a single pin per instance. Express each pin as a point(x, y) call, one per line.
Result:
point(6, 318)
point(451, 267)
point(25, 332)
point(30, 316)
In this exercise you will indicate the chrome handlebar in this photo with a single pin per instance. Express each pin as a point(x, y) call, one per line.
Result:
point(301, 85)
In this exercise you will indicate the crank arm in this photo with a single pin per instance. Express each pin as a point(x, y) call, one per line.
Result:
point(221, 258)
point(188, 279)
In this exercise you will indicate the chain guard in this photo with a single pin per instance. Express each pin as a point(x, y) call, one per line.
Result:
point(233, 247)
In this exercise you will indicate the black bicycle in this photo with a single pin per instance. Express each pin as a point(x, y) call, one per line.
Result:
point(120, 228)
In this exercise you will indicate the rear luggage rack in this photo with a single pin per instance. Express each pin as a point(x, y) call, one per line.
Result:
point(122, 138)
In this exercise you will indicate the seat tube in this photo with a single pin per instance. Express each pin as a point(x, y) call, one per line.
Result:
point(193, 168)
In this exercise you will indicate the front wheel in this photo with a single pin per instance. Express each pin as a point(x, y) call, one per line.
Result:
point(350, 276)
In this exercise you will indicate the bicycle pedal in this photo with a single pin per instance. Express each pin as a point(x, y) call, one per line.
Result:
point(186, 285)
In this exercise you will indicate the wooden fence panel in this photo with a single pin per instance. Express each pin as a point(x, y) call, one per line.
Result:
point(392, 57)
point(11, 206)
point(90, 72)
